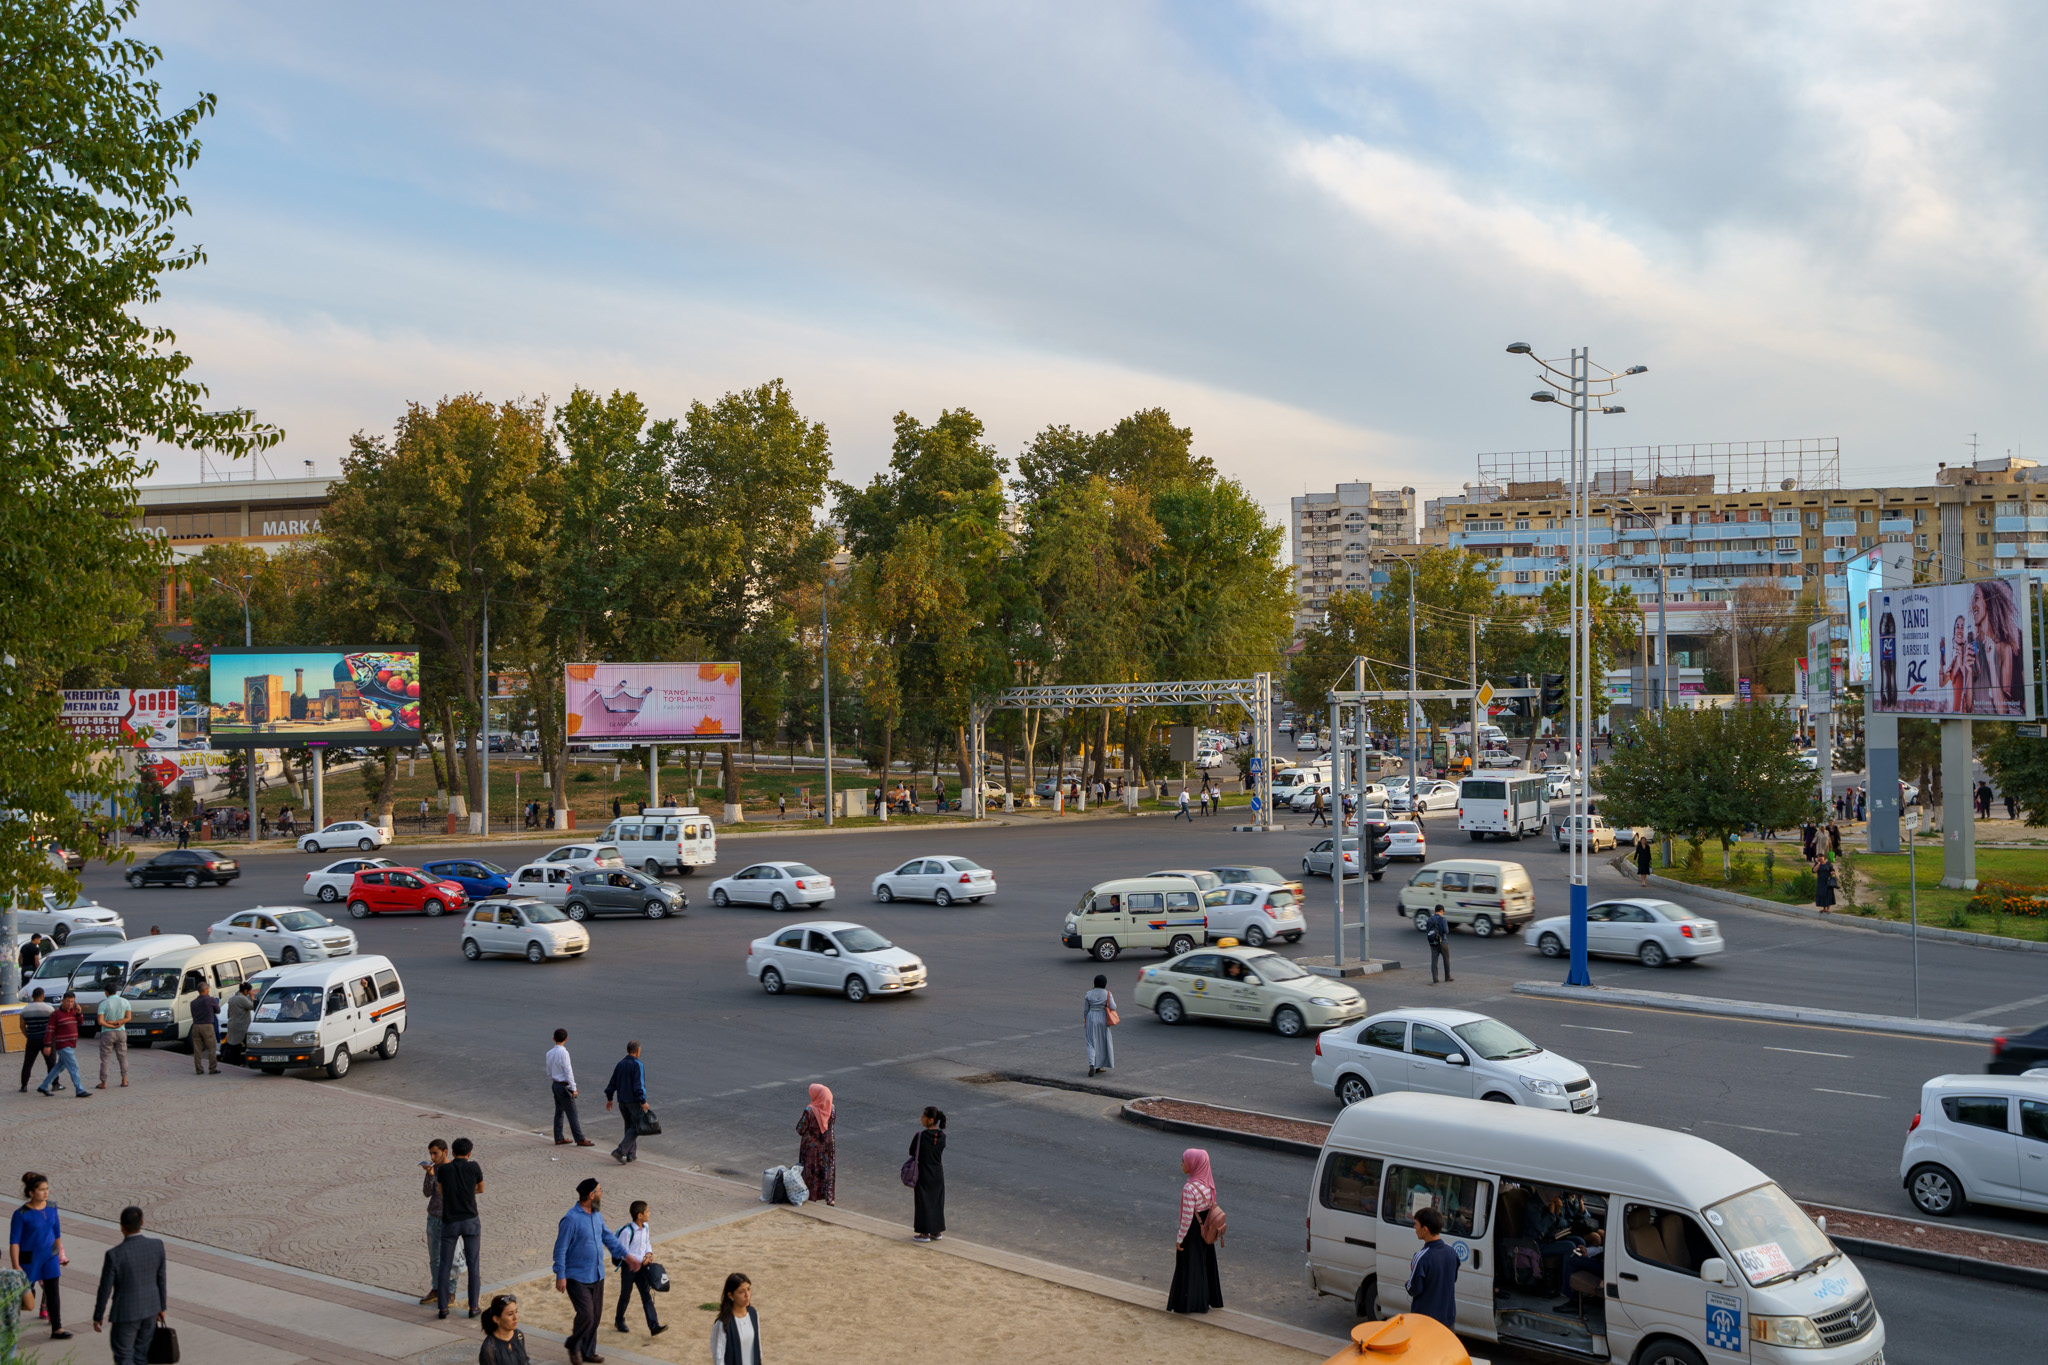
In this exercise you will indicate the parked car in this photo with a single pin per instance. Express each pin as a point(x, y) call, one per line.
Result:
point(476, 877)
point(1448, 1052)
point(1979, 1139)
point(60, 919)
point(185, 867)
point(940, 879)
point(1591, 832)
point(331, 883)
point(1253, 914)
point(622, 891)
point(1245, 985)
point(585, 855)
point(346, 834)
point(778, 884)
point(326, 1014)
point(833, 955)
point(521, 925)
point(402, 890)
point(1653, 932)
point(2022, 1053)
point(285, 933)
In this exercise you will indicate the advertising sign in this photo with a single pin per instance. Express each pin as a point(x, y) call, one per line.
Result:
point(123, 717)
point(285, 697)
point(1952, 649)
point(1865, 575)
point(1820, 673)
point(650, 703)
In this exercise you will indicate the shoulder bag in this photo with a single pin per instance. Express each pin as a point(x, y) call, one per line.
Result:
point(909, 1172)
point(1109, 1012)
point(1212, 1226)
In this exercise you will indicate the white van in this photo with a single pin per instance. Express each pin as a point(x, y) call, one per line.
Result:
point(1286, 783)
point(664, 838)
point(1504, 805)
point(1699, 1248)
point(1485, 896)
point(1138, 912)
point(327, 1014)
point(107, 968)
point(161, 990)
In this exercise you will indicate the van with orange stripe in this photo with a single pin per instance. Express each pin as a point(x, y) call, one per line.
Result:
point(326, 1014)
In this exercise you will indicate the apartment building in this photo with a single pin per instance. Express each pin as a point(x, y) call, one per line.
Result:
point(1336, 536)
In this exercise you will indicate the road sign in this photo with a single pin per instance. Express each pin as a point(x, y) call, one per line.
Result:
point(1485, 693)
point(1258, 765)
point(1910, 822)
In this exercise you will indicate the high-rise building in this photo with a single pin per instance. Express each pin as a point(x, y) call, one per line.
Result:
point(1335, 536)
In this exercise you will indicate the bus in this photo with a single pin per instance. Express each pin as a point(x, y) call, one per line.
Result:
point(1507, 805)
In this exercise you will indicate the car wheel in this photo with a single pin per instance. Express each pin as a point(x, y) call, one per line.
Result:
point(779, 903)
point(1288, 1023)
point(1935, 1191)
point(1106, 950)
point(289, 956)
point(390, 1047)
point(470, 950)
point(359, 909)
point(1367, 1303)
point(1495, 1097)
point(329, 895)
point(884, 894)
point(1550, 946)
point(576, 910)
point(942, 898)
point(62, 934)
point(1652, 954)
point(718, 897)
point(1482, 926)
point(1477, 836)
point(1255, 937)
point(652, 868)
point(191, 880)
point(1667, 1351)
point(1170, 1010)
point(434, 909)
point(366, 844)
point(1377, 875)
point(338, 1068)
point(856, 989)
point(135, 880)
point(1306, 870)
point(536, 953)
point(1180, 943)
point(655, 909)
point(1351, 1089)
point(1422, 921)
point(974, 900)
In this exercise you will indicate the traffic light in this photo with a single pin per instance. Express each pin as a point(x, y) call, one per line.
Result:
point(1553, 693)
point(1519, 707)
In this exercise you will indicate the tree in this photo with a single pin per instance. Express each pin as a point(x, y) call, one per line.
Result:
point(89, 201)
point(2019, 767)
point(932, 471)
point(1708, 773)
point(1145, 450)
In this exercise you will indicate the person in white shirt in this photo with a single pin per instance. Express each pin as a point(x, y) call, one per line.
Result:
point(562, 1079)
point(736, 1332)
point(639, 1244)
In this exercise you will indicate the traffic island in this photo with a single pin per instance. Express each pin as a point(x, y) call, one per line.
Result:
point(1274, 1132)
point(1937, 1246)
point(1758, 1009)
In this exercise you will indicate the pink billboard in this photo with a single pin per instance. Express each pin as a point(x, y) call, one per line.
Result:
point(652, 703)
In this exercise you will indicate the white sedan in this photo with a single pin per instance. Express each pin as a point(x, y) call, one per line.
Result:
point(286, 934)
point(60, 919)
point(331, 883)
point(777, 885)
point(1448, 1052)
point(1653, 932)
point(832, 955)
point(941, 880)
point(346, 834)
point(1433, 796)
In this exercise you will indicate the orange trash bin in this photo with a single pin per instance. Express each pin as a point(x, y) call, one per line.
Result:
point(1408, 1338)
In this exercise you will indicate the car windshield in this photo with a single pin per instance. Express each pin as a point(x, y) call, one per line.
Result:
point(154, 983)
point(101, 976)
point(862, 941)
point(1273, 967)
point(291, 1004)
point(61, 964)
point(1495, 1041)
point(301, 921)
point(801, 870)
point(1770, 1237)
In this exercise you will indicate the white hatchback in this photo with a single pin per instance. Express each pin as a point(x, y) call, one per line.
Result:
point(1653, 932)
point(346, 834)
point(1448, 1052)
point(1978, 1138)
point(940, 880)
point(331, 883)
point(584, 856)
point(832, 955)
point(1253, 913)
point(523, 926)
point(286, 934)
point(777, 885)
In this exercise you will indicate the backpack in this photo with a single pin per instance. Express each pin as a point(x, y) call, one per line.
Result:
point(1528, 1265)
point(1212, 1226)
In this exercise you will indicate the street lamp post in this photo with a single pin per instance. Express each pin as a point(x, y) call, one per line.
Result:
point(248, 641)
point(825, 678)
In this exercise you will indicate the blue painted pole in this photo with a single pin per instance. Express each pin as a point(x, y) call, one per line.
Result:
point(1579, 976)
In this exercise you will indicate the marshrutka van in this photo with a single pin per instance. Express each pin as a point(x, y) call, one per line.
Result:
point(1697, 1255)
point(1502, 804)
point(160, 991)
point(326, 1014)
point(664, 839)
point(1138, 912)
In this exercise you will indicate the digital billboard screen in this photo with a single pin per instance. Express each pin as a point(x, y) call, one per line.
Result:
point(1952, 649)
point(1865, 574)
point(652, 703)
point(283, 697)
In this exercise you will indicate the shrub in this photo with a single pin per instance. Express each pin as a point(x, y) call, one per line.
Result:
point(1895, 902)
point(1741, 872)
point(1957, 918)
point(1802, 886)
point(1770, 867)
point(1695, 854)
point(584, 775)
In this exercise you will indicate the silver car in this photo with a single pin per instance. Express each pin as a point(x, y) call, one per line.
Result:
point(1653, 932)
point(778, 885)
point(286, 934)
point(940, 880)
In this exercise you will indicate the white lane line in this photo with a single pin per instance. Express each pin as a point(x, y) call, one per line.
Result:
point(1626, 1066)
point(1859, 1094)
point(1999, 1009)
point(1274, 1060)
point(1809, 1052)
point(1589, 1028)
point(1748, 1128)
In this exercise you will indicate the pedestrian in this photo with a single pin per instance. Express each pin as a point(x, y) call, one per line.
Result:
point(628, 1086)
point(1643, 857)
point(817, 1139)
point(1098, 1016)
point(615, 808)
point(1438, 931)
point(205, 1030)
point(35, 1034)
point(1433, 1272)
point(1196, 1286)
point(1824, 884)
point(2012, 807)
point(562, 1080)
point(1809, 839)
point(1317, 814)
point(1862, 804)
point(184, 835)
point(504, 1343)
point(31, 955)
point(114, 1013)
point(928, 1193)
point(1834, 841)
point(581, 1240)
point(638, 1241)
point(133, 1289)
point(462, 1229)
point(241, 1009)
point(736, 1331)
point(35, 1247)
point(62, 1041)
point(1983, 796)
point(782, 805)
point(430, 1189)
point(423, 812)
point(1184, 813)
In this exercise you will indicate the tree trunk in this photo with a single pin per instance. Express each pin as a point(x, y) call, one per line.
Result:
point(888, 753)
point(960, 759)
point(389, 784)
point(1102, 747)
point(456, 804)
point(1032, 718)
point(731, 779)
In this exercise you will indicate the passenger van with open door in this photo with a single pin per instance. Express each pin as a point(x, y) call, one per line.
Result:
point(1583, 1238)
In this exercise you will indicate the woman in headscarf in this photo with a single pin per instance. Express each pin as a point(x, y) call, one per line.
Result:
point(818, 1149)
point(1095, 1010)
point(928, 1193)
point(1196, 1287)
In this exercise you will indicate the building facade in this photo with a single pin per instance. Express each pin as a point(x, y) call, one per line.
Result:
point(1335, 537)
point(266, 514)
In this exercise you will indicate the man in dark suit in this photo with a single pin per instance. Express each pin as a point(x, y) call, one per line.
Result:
point(132, 1276)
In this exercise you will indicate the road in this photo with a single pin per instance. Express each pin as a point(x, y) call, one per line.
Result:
point(1054, 1173)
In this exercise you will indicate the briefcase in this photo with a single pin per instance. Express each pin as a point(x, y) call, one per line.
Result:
point(163, 1347)
point(646, 1124)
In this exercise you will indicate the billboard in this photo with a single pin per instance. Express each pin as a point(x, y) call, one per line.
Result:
point(1952, 649)
point(123, 717)
point(1820, 673)
point(284, 697)
point(1866, 576)
point(652, 703)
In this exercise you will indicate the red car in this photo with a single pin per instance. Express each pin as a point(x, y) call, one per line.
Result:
point(391, 890)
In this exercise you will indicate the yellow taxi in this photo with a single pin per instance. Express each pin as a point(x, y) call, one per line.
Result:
point(1249, 985)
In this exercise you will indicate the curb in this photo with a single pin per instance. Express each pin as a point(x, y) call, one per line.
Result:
point(1949, 1263)
point(1056, 1083)
point(1756, 1009)
point(1849, 921)
point(1210, 1130)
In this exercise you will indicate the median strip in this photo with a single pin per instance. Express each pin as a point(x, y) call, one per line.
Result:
point(1759, 1010)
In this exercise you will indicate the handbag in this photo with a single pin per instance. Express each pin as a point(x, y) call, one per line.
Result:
point(1109, 1013)
point(163, 1347)
point(656, 1275)
point(645, 1123)
point(909, 1171)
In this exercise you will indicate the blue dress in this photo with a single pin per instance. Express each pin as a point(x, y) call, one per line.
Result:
point(36, 1231)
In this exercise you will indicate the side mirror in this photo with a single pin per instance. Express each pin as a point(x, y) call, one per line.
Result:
point(1456, 1059)
point(1821, 1222)
point(831, 952)
point(272, 928)
point(1714, 1270)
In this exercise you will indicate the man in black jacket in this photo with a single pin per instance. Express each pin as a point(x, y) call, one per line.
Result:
point(628, 1088)
point(132, 1277)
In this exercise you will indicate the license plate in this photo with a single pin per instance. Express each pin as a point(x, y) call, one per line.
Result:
point(271, 1057)
point(1580, 1106)
point(134, 1032)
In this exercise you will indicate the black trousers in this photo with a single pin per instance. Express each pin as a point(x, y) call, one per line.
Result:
point(28, 1062)
point(629, 1145)
point(131, 1340)
point(468, 1235)
point(1439, 950)
point(629, 1280)
point(565, 1106)
point(53, 1303)
point(588, 1301)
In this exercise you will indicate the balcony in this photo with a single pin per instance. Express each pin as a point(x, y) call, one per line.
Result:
point(1838, 528)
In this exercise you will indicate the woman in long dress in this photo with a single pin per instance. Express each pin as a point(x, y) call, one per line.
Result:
point(818, 1145)
point(1095, 1007)
point(1196, 1287)
point(928, 1195)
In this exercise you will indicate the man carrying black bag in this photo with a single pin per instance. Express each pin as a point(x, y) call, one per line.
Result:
point(132, 1282)
point(628, 1088)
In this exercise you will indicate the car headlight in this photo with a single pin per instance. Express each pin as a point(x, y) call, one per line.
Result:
point(886, 971)
point(1541, 1086)
point(1784, 1331)
point(1328, 1002)
point(305, 1037)
point(159, 1014)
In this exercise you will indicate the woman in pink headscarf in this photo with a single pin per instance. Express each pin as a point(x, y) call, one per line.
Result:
point(1196, 1287)
point(818, 1152)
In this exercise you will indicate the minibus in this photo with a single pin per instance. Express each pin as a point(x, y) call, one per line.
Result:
point(663, 839)
point(1502, 805)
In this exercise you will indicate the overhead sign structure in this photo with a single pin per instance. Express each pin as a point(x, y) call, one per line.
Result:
point(286, 697)
point(652, 703)
point(1952, 649)
point(123, 717)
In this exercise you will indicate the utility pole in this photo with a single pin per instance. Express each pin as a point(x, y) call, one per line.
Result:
point(1413, 563)
point(1472, 748)
point(825, 679)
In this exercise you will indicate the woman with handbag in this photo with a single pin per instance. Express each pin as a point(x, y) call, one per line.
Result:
point(1196, 1287)
point(925, 1173)
point(35, 1247)
point(818, 1144)
point(1098, 1017)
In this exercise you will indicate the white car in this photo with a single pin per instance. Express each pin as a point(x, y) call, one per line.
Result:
point(585, 856)
point(521, 925)
point(1589, 831)
point(777, 885)
point(1433, 795)
point(832, 955)
point(1406, 840)
point(285, 933)
point(543, 881)
point(1307, 742)
point(1653, 932)
point(1209, 759)
point(1978, 1138)
point(940, 879)
point(1304, 797)
point(331, 883)
point(1254, 913)
point(1448, 1052)
point(60, 919)
point(346, 834)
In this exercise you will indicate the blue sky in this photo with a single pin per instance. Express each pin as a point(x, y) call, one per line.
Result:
point(1306, 229)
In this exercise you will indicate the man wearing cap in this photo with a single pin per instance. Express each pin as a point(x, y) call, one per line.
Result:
point(581, 1242)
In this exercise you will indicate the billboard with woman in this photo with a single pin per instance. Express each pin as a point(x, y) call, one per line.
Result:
point(1952, 649)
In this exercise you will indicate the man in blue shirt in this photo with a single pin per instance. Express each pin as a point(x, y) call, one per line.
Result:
point(581, 1242)
point(1432, 1274)
point(628, 1086)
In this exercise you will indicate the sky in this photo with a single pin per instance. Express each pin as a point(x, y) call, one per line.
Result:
point(1307, 229)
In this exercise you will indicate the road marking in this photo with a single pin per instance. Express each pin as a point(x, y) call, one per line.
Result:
point(1809, 1052)
point(1859, 1094)
point(1248, 1057)
point(1999, 1009)
point(1780, 1023)
point(1629, 1066)
point(1747, 1128)
point(1590, 1028)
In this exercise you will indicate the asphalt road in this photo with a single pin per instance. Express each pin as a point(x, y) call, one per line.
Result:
point(1054, 1173)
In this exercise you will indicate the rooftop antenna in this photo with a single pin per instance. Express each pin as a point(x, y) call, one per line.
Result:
point(1972, 443)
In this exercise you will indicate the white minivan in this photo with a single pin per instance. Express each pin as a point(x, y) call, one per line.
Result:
point(106, 969)
point(1504, 805)
point(160, 991)
point(326, 1014)
point(664, 838)
point(1700, 1255)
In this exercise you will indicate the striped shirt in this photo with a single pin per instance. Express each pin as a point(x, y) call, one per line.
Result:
point(1194, 1197)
